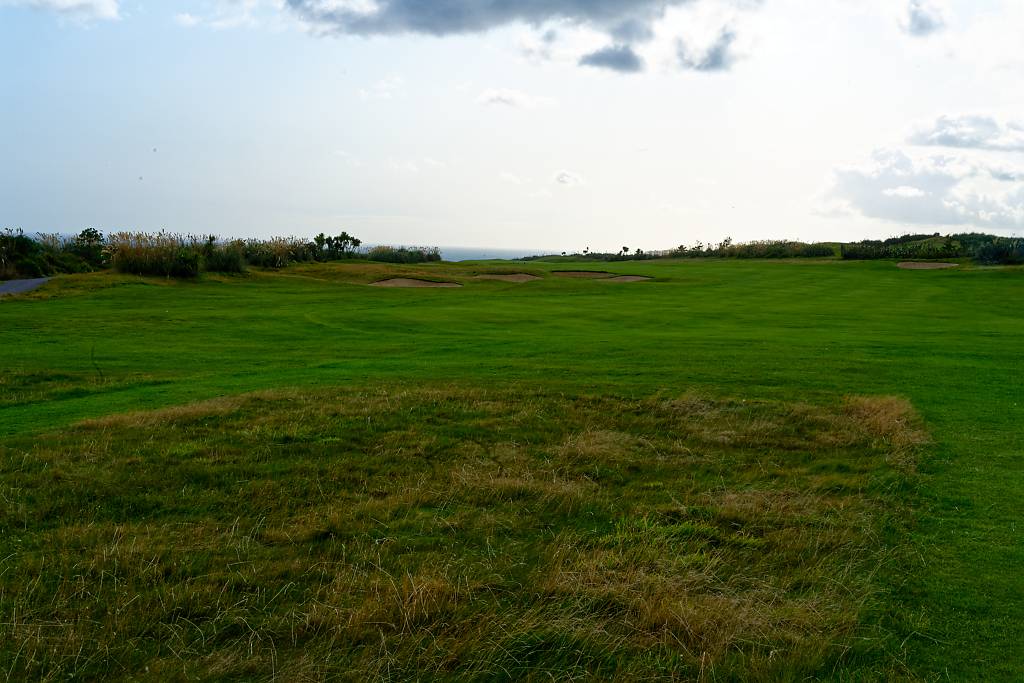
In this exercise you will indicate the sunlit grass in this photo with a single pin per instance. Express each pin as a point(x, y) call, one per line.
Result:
point(702, 335)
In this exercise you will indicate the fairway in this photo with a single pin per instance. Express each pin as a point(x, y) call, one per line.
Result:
point(824, 454)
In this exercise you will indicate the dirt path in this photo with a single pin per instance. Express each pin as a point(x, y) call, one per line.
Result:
point(22, 286)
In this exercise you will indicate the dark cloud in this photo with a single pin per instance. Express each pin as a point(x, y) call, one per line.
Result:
point(1006, 175)
point(923, 18)
point(549, 37)
point(626, 22)
point(445, 17)
point(971, 132)
point(619, 58)
point(718, 57)
point(632, 31)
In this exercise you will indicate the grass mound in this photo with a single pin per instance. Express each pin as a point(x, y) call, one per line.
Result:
point(925, 265)
point(454, 533)
point(628, 278)
point(507, 277)
point(585, 274)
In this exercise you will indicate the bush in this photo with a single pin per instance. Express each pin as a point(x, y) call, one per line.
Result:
point(929, 249)
point(763, 249)
point(277, 252)
point(404, 254)
point(773, 249)
point(163, 254)
point(223, 257)
point(24, 257)
point(1001, 250)
point(88, 246)
point(18, 255)
point(332, 248)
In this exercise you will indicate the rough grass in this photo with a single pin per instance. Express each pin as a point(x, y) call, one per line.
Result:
point(456, 533)
point(361, 272)
point(792, 332)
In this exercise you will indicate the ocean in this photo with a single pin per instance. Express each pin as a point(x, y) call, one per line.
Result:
point(482, 253)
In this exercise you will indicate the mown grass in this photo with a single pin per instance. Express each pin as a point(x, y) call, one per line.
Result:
point(785, 333)
point(457, 533)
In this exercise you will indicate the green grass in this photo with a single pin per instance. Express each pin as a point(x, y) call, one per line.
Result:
point(776, 334)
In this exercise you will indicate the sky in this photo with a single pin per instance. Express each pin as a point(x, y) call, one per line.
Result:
point(556, 124)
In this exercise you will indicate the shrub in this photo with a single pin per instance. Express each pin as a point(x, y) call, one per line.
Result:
point(932, 247)
point(24, 257)
point(89, 246)
point(775, 249)
point(763, 249)
point(18, 255)
point(223, 257)
point(277, 252)
point(1001, 250)
point(404, 254)
point(162, 254)
point(983, 248)
point(328, 248)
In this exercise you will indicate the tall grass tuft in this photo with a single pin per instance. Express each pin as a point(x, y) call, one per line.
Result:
point(277, 252)
point(388, 254)
point(223, 257)
point(164, 254)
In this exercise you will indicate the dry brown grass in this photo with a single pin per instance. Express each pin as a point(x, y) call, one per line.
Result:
point(454, 533)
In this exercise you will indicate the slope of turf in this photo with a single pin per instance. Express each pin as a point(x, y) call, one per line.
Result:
point(810, 332)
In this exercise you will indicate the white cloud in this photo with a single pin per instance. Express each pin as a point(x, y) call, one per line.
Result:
point(504, 97)
point(79, 9)
point(406, 166)
point(384, 89)
point(934, 190)
point(992, 43)
point(511, 178)
point(568, 178)
point(905, 191)
point(349, 158)
point(971, 132)
point(231, 14)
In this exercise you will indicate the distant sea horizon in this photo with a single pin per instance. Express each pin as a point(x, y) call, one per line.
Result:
point(484, 253)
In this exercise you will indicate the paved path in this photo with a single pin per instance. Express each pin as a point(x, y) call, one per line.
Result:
point(22, 286)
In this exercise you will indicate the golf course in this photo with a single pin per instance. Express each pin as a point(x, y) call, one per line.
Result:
point(704, 469)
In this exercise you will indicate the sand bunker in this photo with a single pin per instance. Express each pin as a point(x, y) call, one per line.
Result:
point(408, 282)
point(514, 277)
point(593, 274)
point(629, 278)
point(925, 265)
